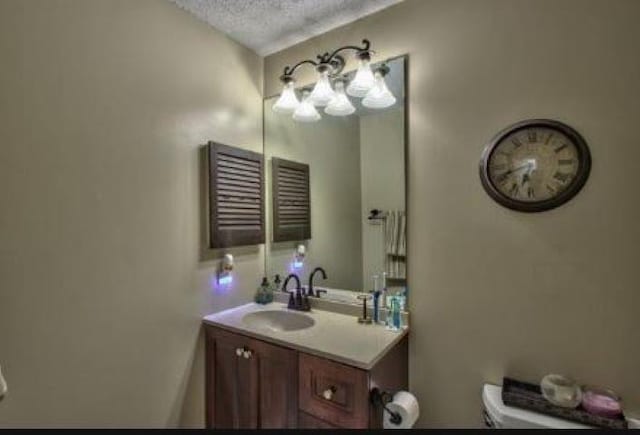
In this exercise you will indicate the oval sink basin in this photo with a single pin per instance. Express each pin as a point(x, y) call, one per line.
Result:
point(278, 320)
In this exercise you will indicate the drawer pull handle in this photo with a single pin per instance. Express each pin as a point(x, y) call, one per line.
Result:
point(247, 354)
point(329, 392)
point(239, 352)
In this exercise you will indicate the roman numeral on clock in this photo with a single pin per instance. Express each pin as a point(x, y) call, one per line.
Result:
point(502, 177)
point(516, 142)
point(565, 161)
point(514, 190)
point(531, 192)
point(561, 177)
point(532, 136)
point(546, 142)
point(561, 147)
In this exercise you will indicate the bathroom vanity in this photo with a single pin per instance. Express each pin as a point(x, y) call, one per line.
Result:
point(269, 367)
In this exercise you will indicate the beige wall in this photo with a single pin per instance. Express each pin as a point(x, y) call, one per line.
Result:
point(331, 148)
point(103, 278)
point(382, 174)
point(103, 281)
point(497, 292)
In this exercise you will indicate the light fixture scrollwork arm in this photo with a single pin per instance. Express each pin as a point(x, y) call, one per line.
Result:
point(332, 62)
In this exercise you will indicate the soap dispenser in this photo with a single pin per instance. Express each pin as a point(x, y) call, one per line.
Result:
point(276, 282)
point(264, 294)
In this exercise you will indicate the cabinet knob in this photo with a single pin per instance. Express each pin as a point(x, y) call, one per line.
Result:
point(239, 352)
point(247, 354)
point(328, 393)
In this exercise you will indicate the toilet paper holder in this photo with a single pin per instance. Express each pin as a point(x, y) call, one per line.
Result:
point(381, 398)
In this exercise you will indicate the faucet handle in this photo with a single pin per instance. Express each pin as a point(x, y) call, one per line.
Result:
point(319, 291)
point(306, 305)
point(292, 300)
point(310, 291)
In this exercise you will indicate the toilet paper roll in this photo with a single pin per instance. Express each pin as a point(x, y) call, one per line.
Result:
point(405, 404)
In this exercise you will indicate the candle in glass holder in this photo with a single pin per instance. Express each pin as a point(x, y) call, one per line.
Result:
point(561, 391)
point(602, 402)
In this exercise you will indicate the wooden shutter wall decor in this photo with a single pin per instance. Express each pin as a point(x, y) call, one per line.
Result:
point(236, 197)
point(291, 201)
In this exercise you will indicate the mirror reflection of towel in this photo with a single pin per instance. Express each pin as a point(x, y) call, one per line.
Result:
point(391, 232)
point(396, 244)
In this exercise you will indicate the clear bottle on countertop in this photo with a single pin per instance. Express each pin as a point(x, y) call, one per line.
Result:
point(402, 295)
point(385, 293)
point(394, 316)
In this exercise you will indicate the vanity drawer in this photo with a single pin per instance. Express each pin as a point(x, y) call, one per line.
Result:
point(334, 392)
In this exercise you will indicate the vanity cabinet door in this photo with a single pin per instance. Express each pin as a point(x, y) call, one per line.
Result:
point(250, 384)
point(232, 393)
point(278, 385)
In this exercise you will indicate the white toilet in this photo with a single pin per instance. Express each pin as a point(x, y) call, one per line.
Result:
point(500, 416)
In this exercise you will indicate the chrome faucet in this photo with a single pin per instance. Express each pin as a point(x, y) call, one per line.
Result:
point(310, 288)
point(297, 302)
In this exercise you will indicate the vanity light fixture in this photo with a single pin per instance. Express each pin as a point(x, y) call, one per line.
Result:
point(322, 92)
point(288, 101)
point(339, 104)
point(366, 84)
point(306, 111)
point(364, 80)
point(379, 96)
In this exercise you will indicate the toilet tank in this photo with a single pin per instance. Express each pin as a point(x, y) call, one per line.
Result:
point(498, 415)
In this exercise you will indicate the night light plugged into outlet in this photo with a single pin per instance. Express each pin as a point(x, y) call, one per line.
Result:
point(298, 258)
point(225, 274)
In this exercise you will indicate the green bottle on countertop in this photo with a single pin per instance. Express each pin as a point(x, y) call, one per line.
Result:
point(264, 294)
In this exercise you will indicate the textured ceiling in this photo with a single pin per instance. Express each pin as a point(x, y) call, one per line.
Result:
point(267, 26)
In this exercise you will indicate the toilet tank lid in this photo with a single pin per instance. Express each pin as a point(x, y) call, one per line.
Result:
point(510, 416)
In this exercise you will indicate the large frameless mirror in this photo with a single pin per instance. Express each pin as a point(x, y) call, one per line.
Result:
point(336, 185)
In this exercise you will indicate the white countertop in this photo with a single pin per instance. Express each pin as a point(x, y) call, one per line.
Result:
point(338, 337)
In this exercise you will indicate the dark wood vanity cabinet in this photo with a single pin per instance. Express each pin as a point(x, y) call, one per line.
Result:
point(254, 384)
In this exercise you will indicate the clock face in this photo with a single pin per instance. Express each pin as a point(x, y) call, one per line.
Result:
point(535, 165)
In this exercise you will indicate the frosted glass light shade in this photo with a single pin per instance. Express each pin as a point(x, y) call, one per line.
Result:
point(379, 96)
point(363, 81)
point(322, 92)
point(288, 102)
point(306, 111)
point(339, 104)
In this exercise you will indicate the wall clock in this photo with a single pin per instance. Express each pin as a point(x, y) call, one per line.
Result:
point(535, 165)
